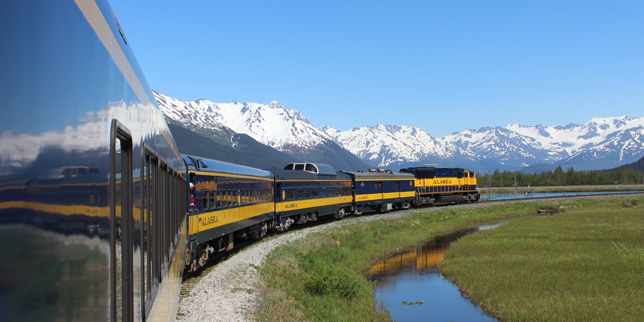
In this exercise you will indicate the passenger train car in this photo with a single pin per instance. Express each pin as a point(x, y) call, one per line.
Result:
point(381, 190)
point(306, 191)
point(232, 203)
point(92, 186)
point(443, 185)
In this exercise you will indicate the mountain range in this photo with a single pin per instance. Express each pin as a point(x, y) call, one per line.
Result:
point(286, 134)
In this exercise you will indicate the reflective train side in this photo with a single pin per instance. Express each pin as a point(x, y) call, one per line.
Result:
point(92, 186)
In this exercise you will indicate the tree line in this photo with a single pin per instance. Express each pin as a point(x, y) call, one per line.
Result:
point(559, 177)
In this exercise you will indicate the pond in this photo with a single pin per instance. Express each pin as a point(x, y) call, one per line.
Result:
point(410, 287)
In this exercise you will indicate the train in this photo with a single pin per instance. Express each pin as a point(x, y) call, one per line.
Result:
point(234, 204)
point(100, 213)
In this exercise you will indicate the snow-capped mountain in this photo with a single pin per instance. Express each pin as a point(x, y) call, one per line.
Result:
point(599, 143)
point(384, 145)
point(285, 130)
point(273, 125)
point(623, 136)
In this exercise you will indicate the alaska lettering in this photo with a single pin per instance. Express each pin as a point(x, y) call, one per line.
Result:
point(209, 220)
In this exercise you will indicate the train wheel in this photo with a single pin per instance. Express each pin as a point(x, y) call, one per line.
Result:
point(259, 231)
point(339, 214)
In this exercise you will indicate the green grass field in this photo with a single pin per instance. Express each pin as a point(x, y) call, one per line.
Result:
point(583, 264)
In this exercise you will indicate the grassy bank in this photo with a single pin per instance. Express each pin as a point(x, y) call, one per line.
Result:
point(583, 264)
point(320, 278)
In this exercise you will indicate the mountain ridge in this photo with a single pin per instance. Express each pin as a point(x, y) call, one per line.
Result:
point(600, 143)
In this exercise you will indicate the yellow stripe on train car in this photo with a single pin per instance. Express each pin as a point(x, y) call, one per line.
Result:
point(389, 195)
point(311, 203)
point(217, 218)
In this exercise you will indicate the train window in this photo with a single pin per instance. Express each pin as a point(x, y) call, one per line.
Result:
point(315, 192)
point(299, 193)
point(204, 197)
point(212, 199)
point(290, 194)
point(311, 168)
point(299, 167)
point(307, 193)
point(235, 198)
point(378, 186)
point(218, 199)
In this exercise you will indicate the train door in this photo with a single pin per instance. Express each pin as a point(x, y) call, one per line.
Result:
point(379, 192)
point(121, 222)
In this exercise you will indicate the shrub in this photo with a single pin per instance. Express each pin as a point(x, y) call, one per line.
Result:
point(331, 280)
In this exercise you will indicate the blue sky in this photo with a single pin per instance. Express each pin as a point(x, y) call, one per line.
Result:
point(443, 66)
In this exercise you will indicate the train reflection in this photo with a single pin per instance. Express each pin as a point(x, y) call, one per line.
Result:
point(418, 260)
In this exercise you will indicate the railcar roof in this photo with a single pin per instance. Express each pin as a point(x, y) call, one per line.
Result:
point(209, 165)
point(380, 175)
point(305, 175)
point(320, 168)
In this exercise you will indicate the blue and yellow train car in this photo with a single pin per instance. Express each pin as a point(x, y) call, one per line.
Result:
point(307, 191)
point(443, 185)
point(230, 203)
point(381, 190)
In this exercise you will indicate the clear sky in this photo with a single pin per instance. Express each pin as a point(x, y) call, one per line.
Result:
point(443, 66)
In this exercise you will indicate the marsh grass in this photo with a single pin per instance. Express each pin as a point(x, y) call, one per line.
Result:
point(321, 277)
point(586, 263)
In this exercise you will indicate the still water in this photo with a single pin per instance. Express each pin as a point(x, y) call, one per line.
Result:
point(536, 195)
point(412, 289)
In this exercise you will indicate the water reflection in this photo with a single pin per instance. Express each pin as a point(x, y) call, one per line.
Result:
point(412, 289)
